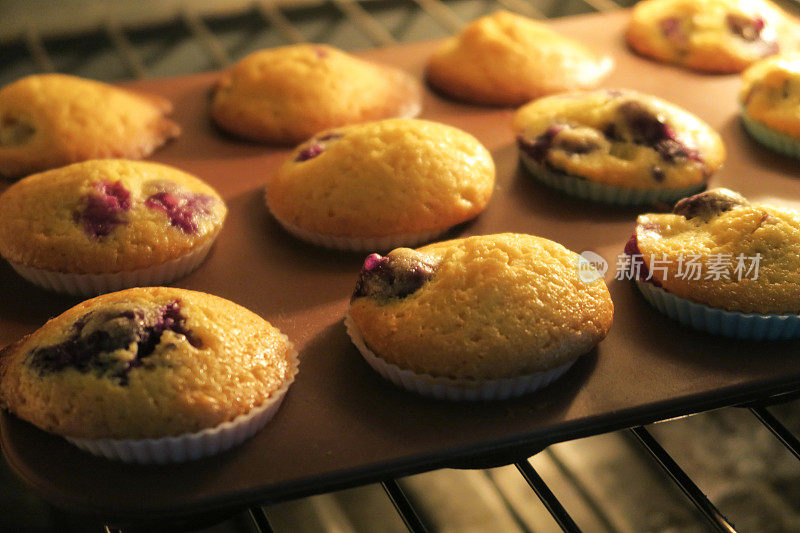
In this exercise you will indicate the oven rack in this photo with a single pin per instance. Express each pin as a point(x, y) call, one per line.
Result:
point(33, 47)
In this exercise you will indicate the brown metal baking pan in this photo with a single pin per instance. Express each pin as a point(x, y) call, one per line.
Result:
point(341, 424)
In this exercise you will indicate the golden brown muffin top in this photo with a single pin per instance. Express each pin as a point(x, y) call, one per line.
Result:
point(144, 362)
point(383, 178)
point(771, 93)
point(621, 138)
point(749, 253)
point(508, 59)
point(287, 94)
point(710, 35)
point(107, 215)
point(486, 307)
point(51, 120)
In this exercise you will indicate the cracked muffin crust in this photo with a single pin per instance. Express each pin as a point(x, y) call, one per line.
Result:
point(618, 138)
point(508, 59)
point(51, 120)
point(710, 35)
point(145, 363)
point(481, 308)
point(399, 179)
point(722, 224)
point(287, 94)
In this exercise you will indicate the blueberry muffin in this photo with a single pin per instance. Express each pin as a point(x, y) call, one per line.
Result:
point(617, 146)
point(710, 35)
point(285, 95)
point(770, 103)
point(149, 363)
point(507, 59)
point(380, 185)
point(51, 120)
point(482, 317)
point(720, 261)
point(107, 224)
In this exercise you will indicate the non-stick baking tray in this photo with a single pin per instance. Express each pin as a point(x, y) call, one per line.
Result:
point(341, 424)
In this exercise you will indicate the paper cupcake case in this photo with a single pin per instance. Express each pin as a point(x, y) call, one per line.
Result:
point(94, 284)
point(774, 140)
point(190, 446)
point(749, 326)
point(449, 388)
point(609, 194)
point(362, 244)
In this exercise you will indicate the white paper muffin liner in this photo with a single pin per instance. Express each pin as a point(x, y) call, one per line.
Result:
point(444, 388)
point(191, 446)
point(773, 139)
point(94, 284)
point(362, 244)
point(750, 326)
point(599, 192)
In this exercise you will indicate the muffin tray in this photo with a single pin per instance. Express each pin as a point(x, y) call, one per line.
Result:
point(341, 424)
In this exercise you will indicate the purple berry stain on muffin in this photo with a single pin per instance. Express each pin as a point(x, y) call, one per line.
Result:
point(96, 339)
point(15, 131)
point(538, 148)
point(638, 266)
point(646, 128)
point(182, 208)
point(673, 30)
point(708, 204)
point(103, 208)
point(396, 275)
point(745, 27)
point(316, 147)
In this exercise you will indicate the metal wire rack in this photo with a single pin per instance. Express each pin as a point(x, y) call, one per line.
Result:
point(31, 50)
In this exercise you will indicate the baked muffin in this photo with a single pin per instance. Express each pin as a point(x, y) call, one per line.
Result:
point(150, 374)
point(380, 185)
point(620, 147)
point(722, 264)
point(770, 103)
point(507, 59)
point(108, 224)
point(710, 35)
point(485, 317)
point(51, 120)
point(287, 94)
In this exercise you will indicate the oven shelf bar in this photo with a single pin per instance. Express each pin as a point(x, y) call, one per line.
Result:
point(260, 519)
point(442, 14)
point(125, 49)
point(201, 32)
point(549, 499)
point(275, 17)
point(365, 22)
point(109, 529)
point(403, 506)
point(602, 5)
point(781, 432)
point(523, 8)
point(689, 488)
point(37, 50)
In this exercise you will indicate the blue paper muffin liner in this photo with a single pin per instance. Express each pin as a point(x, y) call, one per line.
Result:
point(771, 138)
point(750, 326)
point(600, 192)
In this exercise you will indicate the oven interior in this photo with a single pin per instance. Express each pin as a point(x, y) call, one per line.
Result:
point(731, 469)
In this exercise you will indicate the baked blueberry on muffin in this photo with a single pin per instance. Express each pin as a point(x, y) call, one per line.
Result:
point(108, 224)
point(383, 184)
point(287, 94)
point(710, 35)
point(51, 120)
point(485, 317)
point(770, 103)
point(615, 146)
point(722, 264)
point(150, 374)
point(507, 59)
